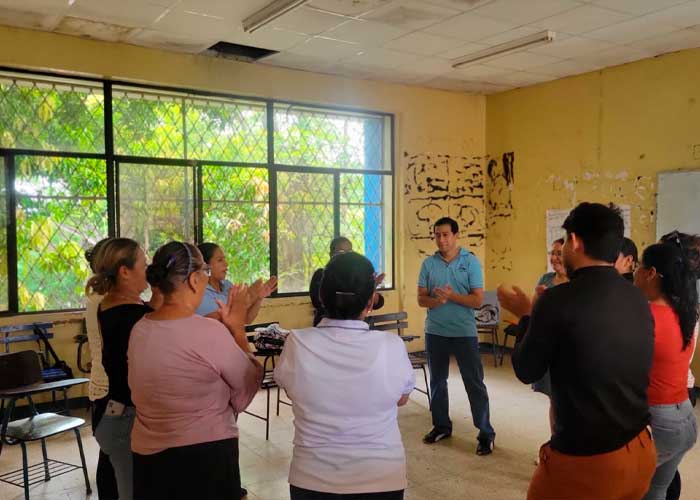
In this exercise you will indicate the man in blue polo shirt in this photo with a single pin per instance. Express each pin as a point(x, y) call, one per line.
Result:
point(451, 286)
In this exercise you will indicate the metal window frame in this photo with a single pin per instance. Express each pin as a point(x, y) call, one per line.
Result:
point(112, 161)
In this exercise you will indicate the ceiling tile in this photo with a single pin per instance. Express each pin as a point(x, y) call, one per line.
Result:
point(637, 7)
point(269, 38)
point(309, 21)
point(522, 61)
point(683, 16)
point(571, 47)
point(429, 65)
point(462, 5)
point(582, 19)
point(125, 12)
point(325, 48)
point(630, 31)
point(477, 72)
point(422, 43)
point(523, 78)
point(521, 12)
point(568, 68)
point(44, 7)
point(446, 83)
point(353, 8)
point(365, 33)
point(183, 23)
point(462, 50)
point(470, 27)
point(411, 15)
point(687, 38)
point(296, 61)
point(168, 41)
point(509, 36)
point(382, 58)
point(617, 55)
point(32, 20)
point(214, 8)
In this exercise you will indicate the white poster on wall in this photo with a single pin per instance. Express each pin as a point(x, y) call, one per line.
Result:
point(556, 217)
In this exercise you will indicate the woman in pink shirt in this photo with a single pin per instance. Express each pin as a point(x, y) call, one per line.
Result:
point(189, 376)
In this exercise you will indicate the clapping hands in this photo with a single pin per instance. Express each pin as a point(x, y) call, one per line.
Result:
point(443, 294)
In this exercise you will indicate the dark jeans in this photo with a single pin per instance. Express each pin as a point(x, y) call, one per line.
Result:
point(466, 351)
point(204, 471)
point(106, 481)
point(302, 494)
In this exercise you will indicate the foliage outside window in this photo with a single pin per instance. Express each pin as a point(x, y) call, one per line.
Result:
point(181, 165)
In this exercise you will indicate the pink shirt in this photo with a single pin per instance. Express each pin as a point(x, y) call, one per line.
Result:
point(187, 378)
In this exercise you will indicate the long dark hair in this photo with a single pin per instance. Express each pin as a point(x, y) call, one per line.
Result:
point(347, 285)
point(677, 284)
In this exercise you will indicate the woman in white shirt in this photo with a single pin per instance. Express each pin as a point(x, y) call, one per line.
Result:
point(346, 382)
point(99, 383)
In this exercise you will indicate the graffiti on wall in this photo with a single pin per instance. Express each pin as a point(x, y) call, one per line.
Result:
point(439, 185)
point(499, 217)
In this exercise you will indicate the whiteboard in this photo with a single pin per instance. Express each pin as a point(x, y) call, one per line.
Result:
point(678, 202)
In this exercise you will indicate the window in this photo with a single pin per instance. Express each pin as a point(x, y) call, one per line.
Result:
point(61, 211)
point(271, 182)
point(3, 237)
point(235, 213)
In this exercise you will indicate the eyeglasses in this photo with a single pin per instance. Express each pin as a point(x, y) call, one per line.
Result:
point(555, 253)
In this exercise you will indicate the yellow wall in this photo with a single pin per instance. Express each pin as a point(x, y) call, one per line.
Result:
point(601, 137)
point(428, 122)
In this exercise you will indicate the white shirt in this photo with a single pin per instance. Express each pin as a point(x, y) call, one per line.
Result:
point(345, 382)
point(99, 383)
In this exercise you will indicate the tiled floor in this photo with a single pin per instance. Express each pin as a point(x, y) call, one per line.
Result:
point(447, 471)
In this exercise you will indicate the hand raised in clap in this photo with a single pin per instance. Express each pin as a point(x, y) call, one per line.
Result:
point(515, 301)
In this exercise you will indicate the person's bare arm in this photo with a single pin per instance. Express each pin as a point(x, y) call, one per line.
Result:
point(403, 400)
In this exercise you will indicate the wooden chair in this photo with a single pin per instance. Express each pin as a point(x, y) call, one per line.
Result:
point(399, 322)
point(20, 378)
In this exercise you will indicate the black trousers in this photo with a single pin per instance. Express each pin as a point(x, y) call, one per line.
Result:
point(204, 471)
point(302, 494)
point(106, 481)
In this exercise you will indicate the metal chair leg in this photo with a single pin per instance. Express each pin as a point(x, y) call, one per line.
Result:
point(47, 476)
point(494, 343)
point(278, 400)
point(25, 470)
point(267, 417)
point(427, 387)
point(88, 490)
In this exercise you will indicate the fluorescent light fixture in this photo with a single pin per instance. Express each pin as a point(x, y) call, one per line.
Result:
point(269, 13)
point(526, 42)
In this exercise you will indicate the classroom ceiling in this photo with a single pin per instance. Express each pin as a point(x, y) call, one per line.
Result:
point(404, 41)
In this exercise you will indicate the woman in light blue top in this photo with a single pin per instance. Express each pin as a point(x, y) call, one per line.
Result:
point(219, 286)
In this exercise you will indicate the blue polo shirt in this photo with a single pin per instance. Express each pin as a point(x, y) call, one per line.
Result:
point(463, 274)
point(209, 304)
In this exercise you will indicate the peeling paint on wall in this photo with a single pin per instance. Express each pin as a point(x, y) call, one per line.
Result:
point(439, 185)
point(619, 187)
point(499, 218)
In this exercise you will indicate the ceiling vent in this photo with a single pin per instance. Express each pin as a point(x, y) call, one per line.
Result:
point(244, 53)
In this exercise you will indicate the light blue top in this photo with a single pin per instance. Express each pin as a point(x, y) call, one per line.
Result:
point(463, 274)
point(209, 304)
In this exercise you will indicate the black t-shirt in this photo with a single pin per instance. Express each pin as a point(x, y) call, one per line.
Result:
point(115, 326)
point(595, 334)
